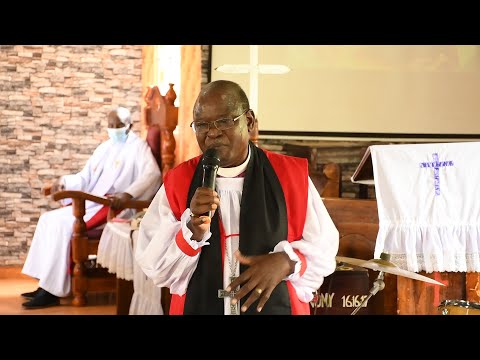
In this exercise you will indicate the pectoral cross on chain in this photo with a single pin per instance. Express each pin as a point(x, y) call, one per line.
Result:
point(224, 294)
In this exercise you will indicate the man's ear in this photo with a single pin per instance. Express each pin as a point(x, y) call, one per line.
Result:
point(250, 120)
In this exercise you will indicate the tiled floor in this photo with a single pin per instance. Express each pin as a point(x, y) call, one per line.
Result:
point(13, 283)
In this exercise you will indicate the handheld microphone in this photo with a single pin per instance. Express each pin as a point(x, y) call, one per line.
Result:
point(210, 163)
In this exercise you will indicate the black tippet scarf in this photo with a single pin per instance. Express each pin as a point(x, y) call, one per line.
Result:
point(263, 224)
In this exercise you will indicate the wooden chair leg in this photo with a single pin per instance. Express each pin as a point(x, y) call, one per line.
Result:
point(124, 296)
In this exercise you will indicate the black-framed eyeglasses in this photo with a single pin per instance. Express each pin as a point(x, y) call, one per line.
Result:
point(202, 127)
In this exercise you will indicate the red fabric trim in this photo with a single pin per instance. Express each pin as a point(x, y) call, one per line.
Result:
point(98, 219)
point(298, 307)
point(227, 236)
point(303, 259)
point(177, 182)
point(223, 240)
point(185, 246)
point(177, 304)
point(292, 172)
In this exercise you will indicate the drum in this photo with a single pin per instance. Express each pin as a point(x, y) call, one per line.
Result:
point(342, 292)
point(459, 307)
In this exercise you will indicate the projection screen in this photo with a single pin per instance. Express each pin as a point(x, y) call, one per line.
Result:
point(362, 89)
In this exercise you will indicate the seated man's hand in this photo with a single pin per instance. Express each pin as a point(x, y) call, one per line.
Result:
point(56, 186)
point(46, 190)
point(119, 200)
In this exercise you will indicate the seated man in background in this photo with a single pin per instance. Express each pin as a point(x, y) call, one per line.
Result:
point(121, 168)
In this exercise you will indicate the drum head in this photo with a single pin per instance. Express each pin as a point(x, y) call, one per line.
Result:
point(459, 307)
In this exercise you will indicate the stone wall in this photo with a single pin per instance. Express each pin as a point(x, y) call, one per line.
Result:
point(53, 106)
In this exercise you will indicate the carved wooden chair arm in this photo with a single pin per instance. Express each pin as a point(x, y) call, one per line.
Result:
point(83, 196)
point(75, 194)
point(137, 204)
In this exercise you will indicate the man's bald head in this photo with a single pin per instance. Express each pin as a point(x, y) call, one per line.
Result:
point(227, 93)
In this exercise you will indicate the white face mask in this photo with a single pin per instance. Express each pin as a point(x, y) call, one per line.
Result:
point(118, 135)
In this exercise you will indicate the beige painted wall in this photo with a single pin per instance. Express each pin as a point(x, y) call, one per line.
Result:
point(413, 89)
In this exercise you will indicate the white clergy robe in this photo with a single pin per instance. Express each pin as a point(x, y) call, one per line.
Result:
point(113, 167)
point(160, 258)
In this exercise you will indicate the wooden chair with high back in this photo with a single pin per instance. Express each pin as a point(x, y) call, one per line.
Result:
point(327, 177)
point(161, 117)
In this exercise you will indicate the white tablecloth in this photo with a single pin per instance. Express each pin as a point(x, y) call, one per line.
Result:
point(428, 198)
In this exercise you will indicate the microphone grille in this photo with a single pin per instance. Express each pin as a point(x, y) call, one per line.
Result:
point(210, 157)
